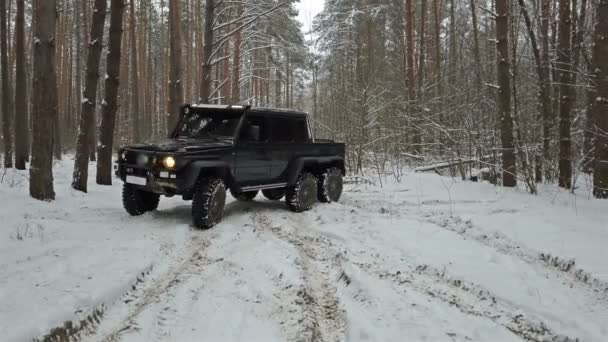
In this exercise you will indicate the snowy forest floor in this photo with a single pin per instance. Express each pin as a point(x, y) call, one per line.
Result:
point(427, 259)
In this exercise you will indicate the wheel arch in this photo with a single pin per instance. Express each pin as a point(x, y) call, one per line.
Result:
point(315, 165)
point(199, 169)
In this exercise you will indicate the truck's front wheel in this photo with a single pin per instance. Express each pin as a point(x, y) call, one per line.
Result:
point(303, 195)
point(137, 202)
point(208, 202)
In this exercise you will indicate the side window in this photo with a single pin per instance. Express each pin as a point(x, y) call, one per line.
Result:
point(255, 129)
point(280, 130)
point(300, 130)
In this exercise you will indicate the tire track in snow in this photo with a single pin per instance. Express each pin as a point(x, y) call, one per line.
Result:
point(563, 270)
point(138, 301)
point(323, 318)
point(469, 298)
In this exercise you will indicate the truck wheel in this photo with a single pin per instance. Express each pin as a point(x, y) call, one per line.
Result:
point(330, 186)
point(136, 202)
point(274, 194)
point(303, 195)
point(246, 196)
point(208, 202)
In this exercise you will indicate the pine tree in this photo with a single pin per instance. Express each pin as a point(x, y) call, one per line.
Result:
point(7, 111)
point(89, 101)
point(504, 93)
point(109, 106)
point(600, 100)
point(44, 100)
point(21, 107)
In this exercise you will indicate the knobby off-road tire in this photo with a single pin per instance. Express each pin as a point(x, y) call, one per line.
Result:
point(208, 202)
point(330, 186)
point(303, 195)
point(274, 194)
point(246, 196)
point(137, 202)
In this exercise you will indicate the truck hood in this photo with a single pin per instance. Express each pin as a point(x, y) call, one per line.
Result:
point(183, 145)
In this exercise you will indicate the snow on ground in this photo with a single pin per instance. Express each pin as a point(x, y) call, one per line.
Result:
point(427, 259)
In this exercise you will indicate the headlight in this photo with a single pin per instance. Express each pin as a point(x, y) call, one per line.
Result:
point(123, 155)
point(169, 162)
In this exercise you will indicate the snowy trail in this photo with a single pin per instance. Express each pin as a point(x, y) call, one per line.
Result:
point(319, 280)
point(382, 265)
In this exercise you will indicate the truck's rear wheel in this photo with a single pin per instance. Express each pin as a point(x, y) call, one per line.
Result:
point(330, 186)
point(137, 202)
point(274, 194)
point(246, 196)
point(303, 195)
point(208, 202)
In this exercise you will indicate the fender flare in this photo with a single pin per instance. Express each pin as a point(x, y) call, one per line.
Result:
point(192, 172)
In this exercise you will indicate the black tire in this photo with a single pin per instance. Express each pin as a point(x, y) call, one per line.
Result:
point(208, 202)
point(246, 196)
point(137, 202)
point(274, 194)
point(303, 195)
point(330, 186)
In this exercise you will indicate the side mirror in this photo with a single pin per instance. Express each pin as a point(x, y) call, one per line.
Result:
point(253, 133)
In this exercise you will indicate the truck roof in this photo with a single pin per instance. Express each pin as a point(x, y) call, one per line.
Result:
point(261, 110)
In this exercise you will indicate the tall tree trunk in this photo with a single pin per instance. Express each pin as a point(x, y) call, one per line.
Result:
point(176, 90)
point(81, 160)
point(544, 98)
point(565, 98)
point(236, 61)
point(476, 52)
point(21, 108)
point(135, 114)
point(44, 98)
point(108, 118)
point(205, 91)
point(411, 74)
point(600, 100)
point(93, 122)
point(504, 93)
point(7, 112)
point(546, 72)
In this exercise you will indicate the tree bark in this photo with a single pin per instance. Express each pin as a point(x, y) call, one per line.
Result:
point(135, 114)
point(236, 61)
point(7, 112)
point(44, 98)
point(546, 72)
point(544, 98)
point(600, 101)
point(565, 89)
point(108, 118)
point(89, 100)
point(207, 50)
point(504, 93)
point(21, 108)
point(411, 74)
point(176, 89)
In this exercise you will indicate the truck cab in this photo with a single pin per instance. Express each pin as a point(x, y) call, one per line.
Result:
point(237, 148)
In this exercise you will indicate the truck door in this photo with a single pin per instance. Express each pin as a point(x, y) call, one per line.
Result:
point(253, 159)
point(287, 134)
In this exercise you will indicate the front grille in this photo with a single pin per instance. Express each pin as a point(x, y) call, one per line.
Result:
point(140, 159)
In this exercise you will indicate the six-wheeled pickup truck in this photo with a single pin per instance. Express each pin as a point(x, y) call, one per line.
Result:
point(239, 148)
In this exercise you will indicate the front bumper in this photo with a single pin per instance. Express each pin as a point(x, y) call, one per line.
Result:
point(159, 181)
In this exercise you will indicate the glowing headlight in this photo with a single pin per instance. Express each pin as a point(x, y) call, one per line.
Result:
point(169, 162)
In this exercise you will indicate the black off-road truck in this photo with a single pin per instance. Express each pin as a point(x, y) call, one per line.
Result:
point(239, 148)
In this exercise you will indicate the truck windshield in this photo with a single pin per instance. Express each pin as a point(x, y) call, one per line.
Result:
point(197, 125)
